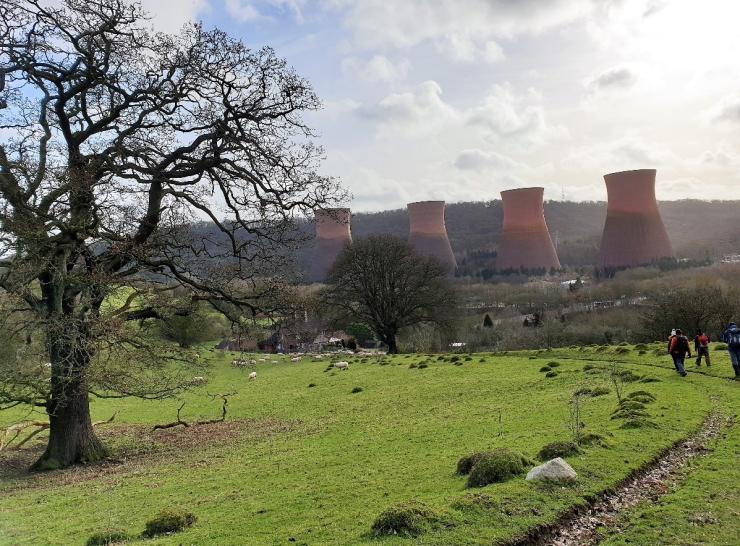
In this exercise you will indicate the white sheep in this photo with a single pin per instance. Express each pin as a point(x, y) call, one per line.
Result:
point(295, 359)
point(199, 380)
point(253, 362)
point(252, 376)
point(342, 365)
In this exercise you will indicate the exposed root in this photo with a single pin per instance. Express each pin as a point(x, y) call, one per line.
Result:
point(180, 422)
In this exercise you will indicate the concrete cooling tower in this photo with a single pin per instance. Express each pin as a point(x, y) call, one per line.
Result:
point(525, 240)
point(634, 233)
point(332, 235)
point(428, 234)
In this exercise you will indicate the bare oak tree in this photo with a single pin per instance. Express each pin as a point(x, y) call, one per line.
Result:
point(381, 282)
point(114, 139)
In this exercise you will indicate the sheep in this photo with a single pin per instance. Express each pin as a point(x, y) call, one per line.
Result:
point(295, 359)
point(252, 376)
point(342, 365)
point(199, 380)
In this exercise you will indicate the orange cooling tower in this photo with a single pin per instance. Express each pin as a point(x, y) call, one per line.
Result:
point(332, 235)
point(428, 234)
point(525, 239)
point(634, 233)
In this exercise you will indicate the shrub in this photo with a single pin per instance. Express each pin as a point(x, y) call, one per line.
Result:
point(557, 449)
point(104, 538)
point(496, 466)
point(356, 390)
point(407, 519)
point(553, 364)
point(552, 373)
point(168, 521)
point(545, 368)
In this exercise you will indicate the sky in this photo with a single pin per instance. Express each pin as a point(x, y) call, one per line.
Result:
point(460, 99)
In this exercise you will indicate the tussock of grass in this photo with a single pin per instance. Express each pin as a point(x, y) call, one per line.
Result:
point(356, 390)
point(545, 369)
point(552, 373)
point(105, 538)
point(409, 519)
point(553, 364)
point(168, 521)
point(558, 449)
point(496, 466)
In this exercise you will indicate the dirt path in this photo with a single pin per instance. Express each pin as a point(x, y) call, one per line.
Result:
point(647, 485)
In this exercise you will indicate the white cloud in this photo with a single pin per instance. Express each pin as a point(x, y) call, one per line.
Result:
point(462, 29)
point(728, 110)
point(170, 18)
point(615, 78)
point(413, 112)
point(376, 69)
point(243, 11)
point(480, 161)
point(246, 11)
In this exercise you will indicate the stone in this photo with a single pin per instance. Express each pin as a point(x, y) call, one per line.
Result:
point(553, 470)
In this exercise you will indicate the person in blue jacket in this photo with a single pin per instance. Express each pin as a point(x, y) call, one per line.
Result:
point(732, 338)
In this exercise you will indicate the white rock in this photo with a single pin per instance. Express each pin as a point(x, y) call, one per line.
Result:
point(554, 470)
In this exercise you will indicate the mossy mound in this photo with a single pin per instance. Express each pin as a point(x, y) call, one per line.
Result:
point(544, 369)
point(558, 449)
point(497, 466)
point(168, 521)
point(553, 364)
point(552, 373)
point(409, 519)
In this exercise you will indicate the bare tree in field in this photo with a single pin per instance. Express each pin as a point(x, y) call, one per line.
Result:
point(381, 282)
point(113, 140)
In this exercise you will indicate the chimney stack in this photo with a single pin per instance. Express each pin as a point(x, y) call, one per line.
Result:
point(428, 234)
point(634, 233)
point(525, 239)
point(332, 236)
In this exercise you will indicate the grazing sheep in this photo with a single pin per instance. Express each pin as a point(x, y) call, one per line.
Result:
point(295, 359)
point(253, 362)
point(252, 376)
point(199, 380)
point(342, 365)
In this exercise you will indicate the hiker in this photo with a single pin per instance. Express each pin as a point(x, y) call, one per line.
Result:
point(701, 347)
point(732, 338)
point(678, 348)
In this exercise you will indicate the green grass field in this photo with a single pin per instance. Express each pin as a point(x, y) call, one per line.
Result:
point(316, 465)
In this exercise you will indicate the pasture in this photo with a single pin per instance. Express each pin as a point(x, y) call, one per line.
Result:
point(312, 455)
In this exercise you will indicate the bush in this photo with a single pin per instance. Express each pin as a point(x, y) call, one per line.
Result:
point(407, 519)
point(168, 521)
point(557, 449)
point(496, 466)
point(105, 538)
point(545, 369)
point(553, 373)
point(356, 390)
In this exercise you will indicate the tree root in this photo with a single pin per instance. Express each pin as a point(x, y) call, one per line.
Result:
point(179, 422)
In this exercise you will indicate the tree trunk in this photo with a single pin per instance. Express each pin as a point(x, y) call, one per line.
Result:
point(390, 340)
point(72, 439)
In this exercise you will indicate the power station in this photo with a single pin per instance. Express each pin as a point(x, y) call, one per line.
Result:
point(634, 233)
point(428, 234)
point(525, 240)
point(333, 234)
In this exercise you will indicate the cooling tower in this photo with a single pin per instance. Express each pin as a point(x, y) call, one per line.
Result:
point(525, 240)
point(634, 233)
point(428, 234)
point(332, 235)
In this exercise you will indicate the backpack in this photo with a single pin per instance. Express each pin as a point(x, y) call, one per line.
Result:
point(680, 344)
point(733, 338)
point(703, 340)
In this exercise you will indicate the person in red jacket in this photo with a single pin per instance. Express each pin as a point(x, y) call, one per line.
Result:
point(678, 348)
point(701, 346)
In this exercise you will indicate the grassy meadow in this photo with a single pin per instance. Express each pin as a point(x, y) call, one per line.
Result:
point(303, 459)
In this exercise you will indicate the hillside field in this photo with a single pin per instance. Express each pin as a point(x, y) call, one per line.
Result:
point(302, 459)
